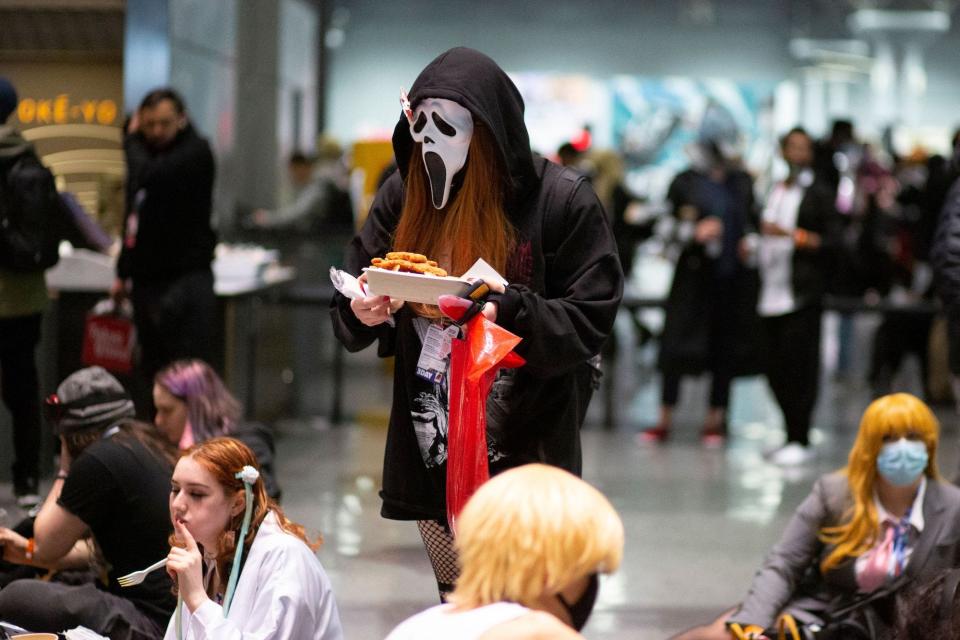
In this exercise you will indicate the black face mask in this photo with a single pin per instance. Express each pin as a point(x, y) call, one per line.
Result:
point(580, 609)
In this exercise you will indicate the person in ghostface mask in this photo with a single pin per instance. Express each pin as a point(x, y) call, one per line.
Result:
point(862, 534)
point(512, 589)
point(467, 187)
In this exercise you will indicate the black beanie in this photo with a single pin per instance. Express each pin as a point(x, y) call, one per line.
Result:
point(90, 398)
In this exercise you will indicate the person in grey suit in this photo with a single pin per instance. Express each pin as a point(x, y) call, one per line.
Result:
point(864, 531)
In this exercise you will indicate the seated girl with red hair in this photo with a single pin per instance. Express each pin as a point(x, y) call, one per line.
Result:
point(270, 587)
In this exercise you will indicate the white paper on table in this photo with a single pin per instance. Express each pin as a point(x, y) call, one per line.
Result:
point(350, 287)
point(482, 270)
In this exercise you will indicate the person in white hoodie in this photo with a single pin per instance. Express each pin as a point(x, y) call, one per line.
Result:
point(272, 587)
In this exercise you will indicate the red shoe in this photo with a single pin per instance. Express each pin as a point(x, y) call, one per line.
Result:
point(713, 439)
point(653, 435)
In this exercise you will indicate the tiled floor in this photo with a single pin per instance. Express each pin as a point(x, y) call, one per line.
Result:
point(698, 521)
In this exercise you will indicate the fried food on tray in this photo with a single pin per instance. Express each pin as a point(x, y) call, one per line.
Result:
point(406, 255)
point(420, 265)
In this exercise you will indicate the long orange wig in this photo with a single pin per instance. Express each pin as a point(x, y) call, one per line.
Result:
point(472, 225)
point(893, 416)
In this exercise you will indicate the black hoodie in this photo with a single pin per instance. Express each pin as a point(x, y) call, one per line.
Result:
point(565, 287)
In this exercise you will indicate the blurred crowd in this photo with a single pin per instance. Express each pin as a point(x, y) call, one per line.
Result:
point(839, 225)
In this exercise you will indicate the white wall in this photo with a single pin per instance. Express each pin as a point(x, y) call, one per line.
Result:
point(388, 42)
point(941, 108)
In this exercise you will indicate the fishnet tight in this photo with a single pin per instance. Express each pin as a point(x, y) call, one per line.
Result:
point(438, 540)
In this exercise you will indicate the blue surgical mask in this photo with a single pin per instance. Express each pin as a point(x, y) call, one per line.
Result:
point(901, 462)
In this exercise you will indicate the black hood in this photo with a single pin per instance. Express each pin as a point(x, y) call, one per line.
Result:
point(476, 82)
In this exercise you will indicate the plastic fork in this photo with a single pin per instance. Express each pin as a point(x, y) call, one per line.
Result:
point(135, 578)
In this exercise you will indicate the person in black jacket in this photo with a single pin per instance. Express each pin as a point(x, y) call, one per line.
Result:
point(710, 312)
point(538, 224)
point(27, 189)
point(23, 297)
point(168, 242)
point(796, 236)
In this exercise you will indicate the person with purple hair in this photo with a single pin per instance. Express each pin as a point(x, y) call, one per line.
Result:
point(194, 405)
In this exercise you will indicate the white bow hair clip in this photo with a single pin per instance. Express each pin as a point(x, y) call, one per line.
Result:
point(248, 474)
point(405, 104)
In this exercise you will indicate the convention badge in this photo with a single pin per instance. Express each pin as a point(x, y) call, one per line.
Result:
point(432, 365)
point(405, 104)
point(451, 333)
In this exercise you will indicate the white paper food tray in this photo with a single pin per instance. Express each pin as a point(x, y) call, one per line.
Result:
point(413, 287)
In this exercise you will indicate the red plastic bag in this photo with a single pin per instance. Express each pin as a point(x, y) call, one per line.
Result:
point(474, 363)
point(109, 338)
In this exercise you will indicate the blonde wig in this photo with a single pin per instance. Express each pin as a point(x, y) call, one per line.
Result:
point(531, 531)
point(888, 418)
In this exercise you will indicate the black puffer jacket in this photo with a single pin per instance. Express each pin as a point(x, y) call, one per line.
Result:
point(565, 287)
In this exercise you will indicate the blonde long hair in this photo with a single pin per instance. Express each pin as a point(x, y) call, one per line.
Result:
point(893, 416)
point(531, 531)
point(472, 225)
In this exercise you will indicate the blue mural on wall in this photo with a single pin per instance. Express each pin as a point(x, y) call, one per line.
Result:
point(657, 121)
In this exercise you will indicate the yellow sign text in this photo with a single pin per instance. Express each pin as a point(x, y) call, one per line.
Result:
point(60, 110)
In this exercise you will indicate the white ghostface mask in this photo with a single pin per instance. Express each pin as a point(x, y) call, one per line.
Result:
point(444, 129)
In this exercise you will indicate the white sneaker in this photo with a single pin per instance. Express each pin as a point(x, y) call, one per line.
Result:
point(791, 454)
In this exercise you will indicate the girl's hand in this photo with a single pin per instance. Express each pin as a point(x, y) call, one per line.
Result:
point(374, 310)
point(495, 286)
point(13, 546)
point(185, 565)
point(710, 228)
point(489, 311)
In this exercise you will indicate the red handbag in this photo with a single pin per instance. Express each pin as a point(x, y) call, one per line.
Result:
point(109, 338)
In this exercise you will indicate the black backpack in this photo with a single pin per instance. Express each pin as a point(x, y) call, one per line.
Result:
point(31, 216)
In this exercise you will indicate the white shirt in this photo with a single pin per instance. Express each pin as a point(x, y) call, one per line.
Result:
point(916, 524)
point(775, 253)
point(282, 594)
point(443, 623)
